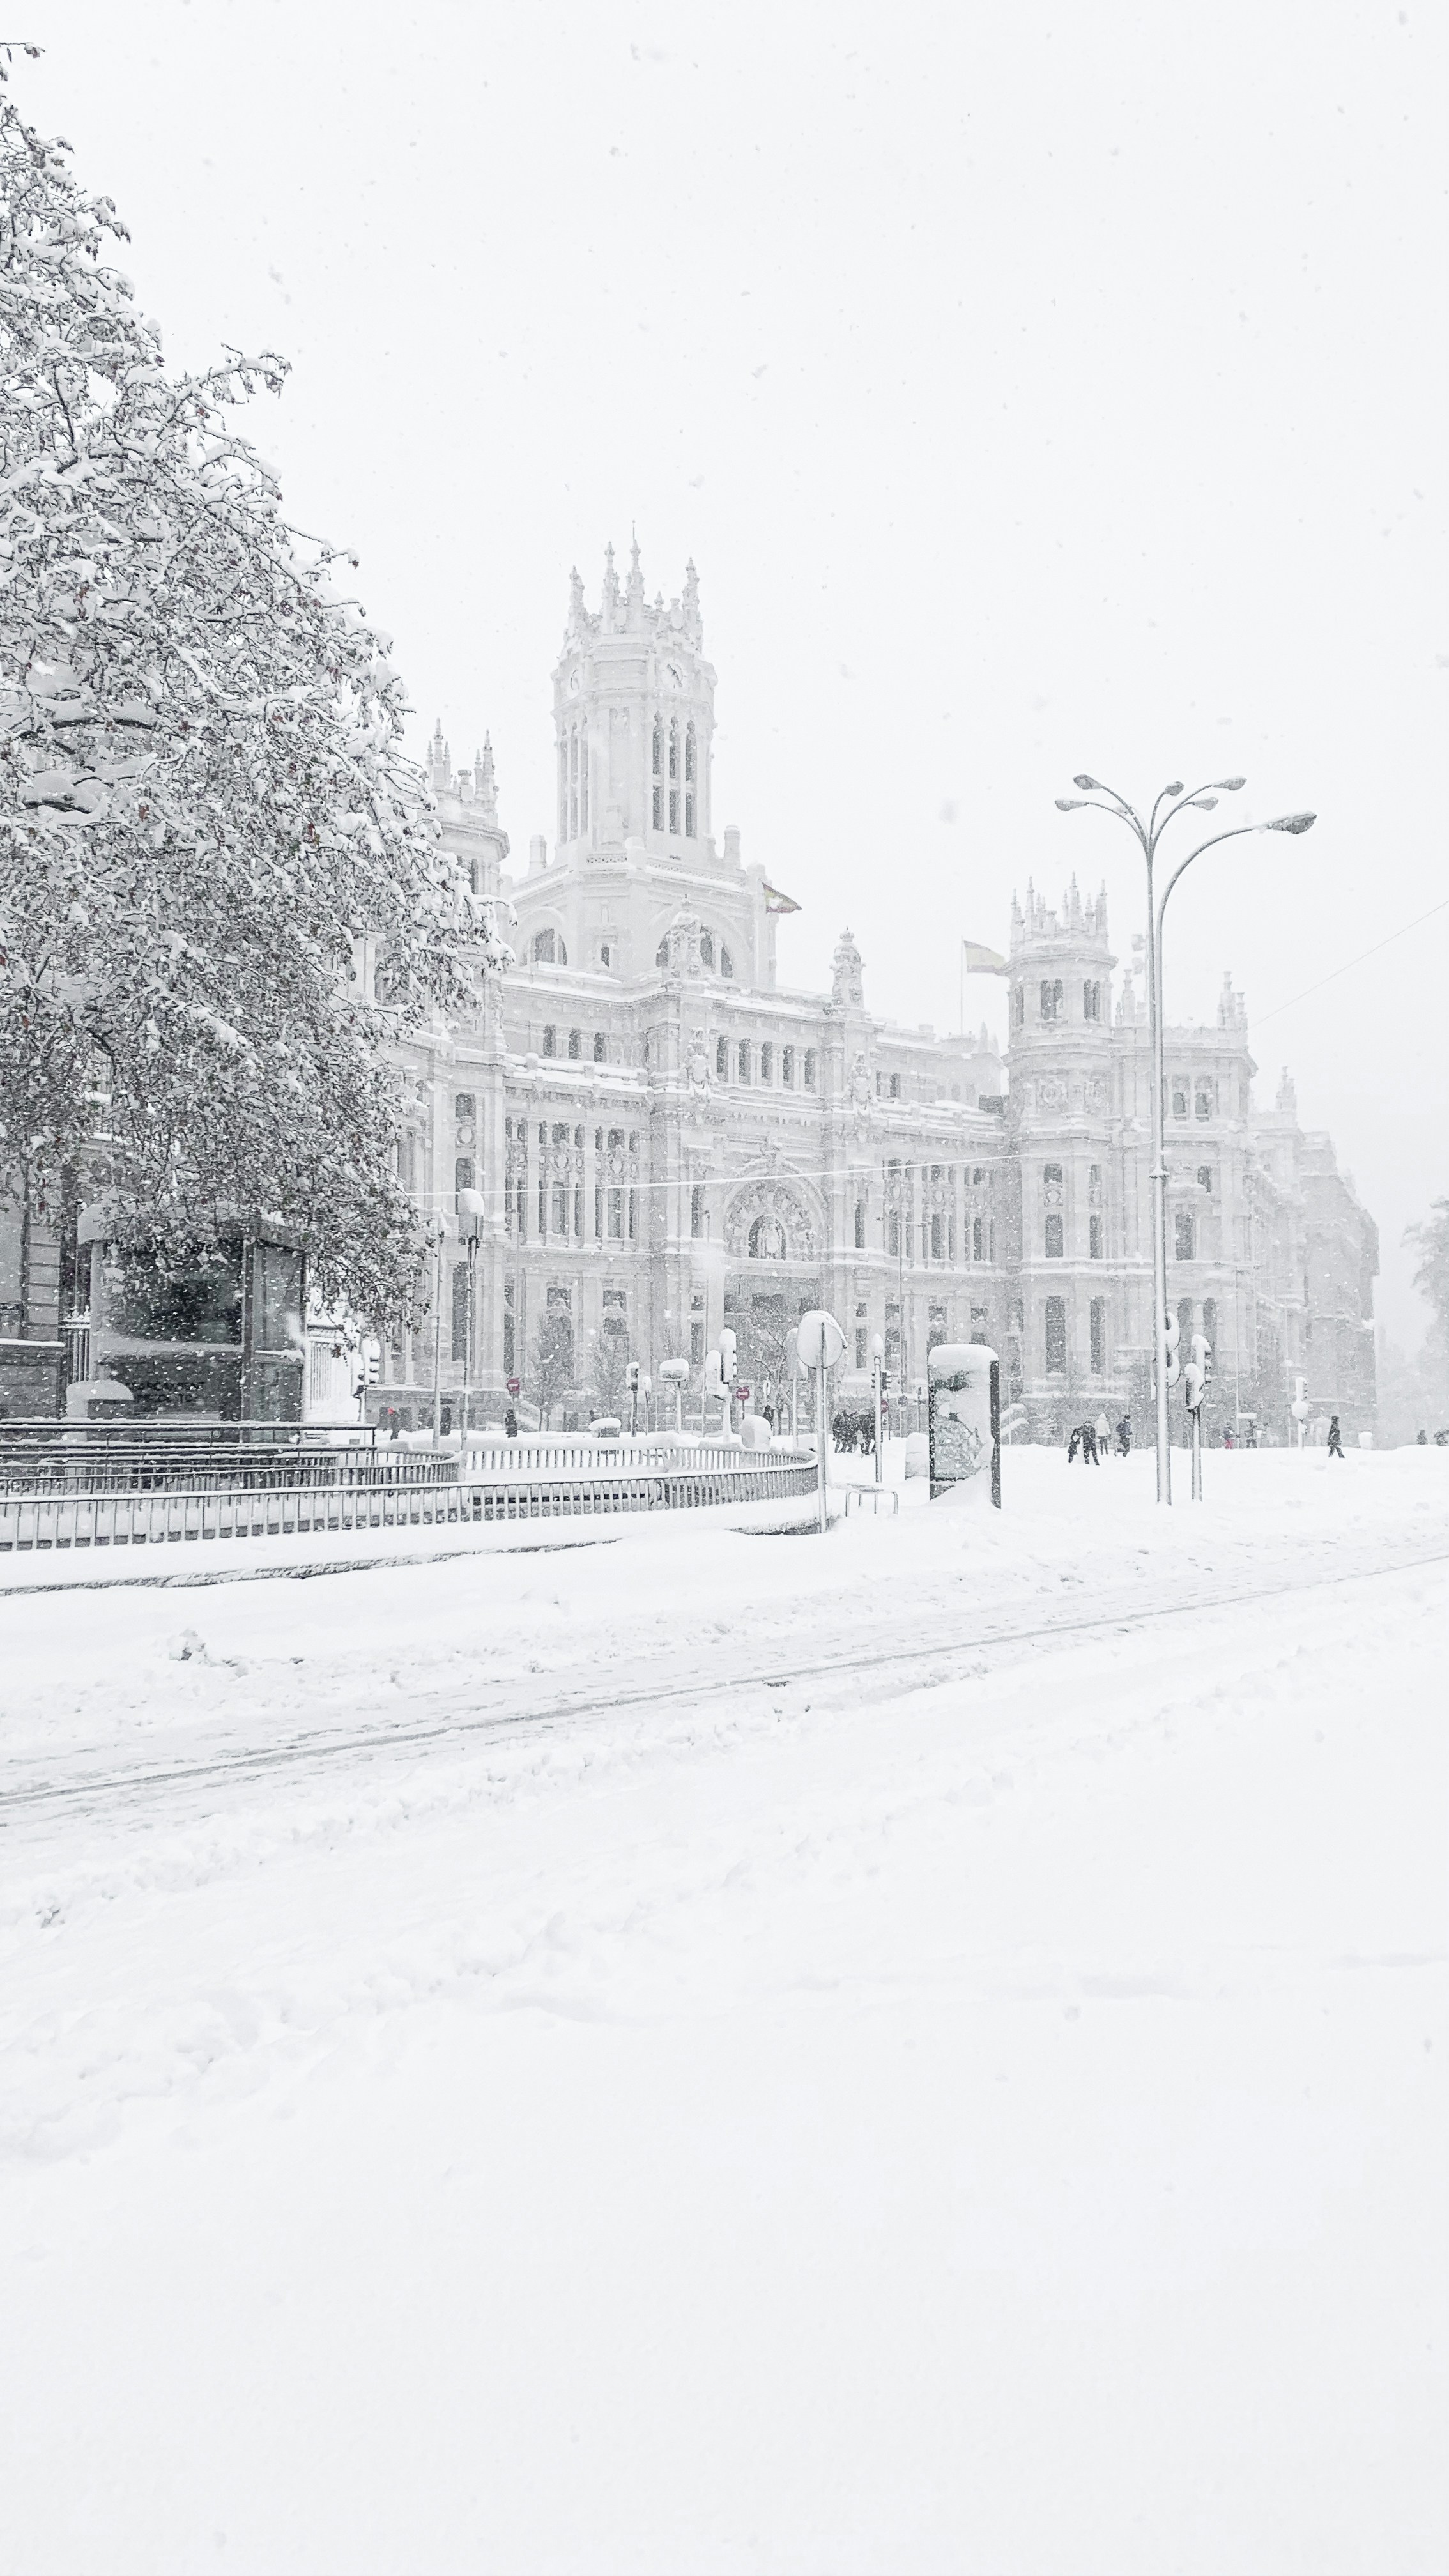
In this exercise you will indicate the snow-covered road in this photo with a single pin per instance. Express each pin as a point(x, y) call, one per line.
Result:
point(918, 2051)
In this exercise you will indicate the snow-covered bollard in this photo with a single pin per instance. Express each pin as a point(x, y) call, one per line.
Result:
point(755, 1431)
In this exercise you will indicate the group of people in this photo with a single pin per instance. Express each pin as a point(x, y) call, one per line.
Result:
point(1094, 1440)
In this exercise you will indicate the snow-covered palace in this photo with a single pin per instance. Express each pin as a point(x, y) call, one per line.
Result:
point(668, 1139)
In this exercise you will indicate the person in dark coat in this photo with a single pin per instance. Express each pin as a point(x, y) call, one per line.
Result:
point(1074, 1444)
point(1335, 1439)
point(1124, 1435)
point(1089, 1446)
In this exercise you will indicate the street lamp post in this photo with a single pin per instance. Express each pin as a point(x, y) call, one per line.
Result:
point(472, 1208)
point(1148, 834)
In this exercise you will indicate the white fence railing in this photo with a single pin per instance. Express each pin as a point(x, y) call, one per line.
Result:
point(683, 1482)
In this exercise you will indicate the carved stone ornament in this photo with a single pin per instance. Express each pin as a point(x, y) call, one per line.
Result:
point(769, 1221)
point(1051, 1093)
point(860, 1087)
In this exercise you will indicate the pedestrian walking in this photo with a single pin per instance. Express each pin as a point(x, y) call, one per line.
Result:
point(1335, 1439)
point(1104, 1435)
point(1089, 1446)
point(1074, 1444)
point(1124, 1436)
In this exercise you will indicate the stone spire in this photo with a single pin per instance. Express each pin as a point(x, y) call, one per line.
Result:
point(692, 625)
point(846, 972)
point(577, 611)
point(634, 596)
point(611, 592)
point(485, 785)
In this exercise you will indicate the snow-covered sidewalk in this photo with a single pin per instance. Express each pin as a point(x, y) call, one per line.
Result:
point(917, 2051)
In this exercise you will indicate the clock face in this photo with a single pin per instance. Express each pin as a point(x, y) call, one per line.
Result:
point(674, 675)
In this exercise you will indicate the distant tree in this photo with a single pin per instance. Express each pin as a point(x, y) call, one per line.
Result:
point(608, 1387)
point(552, 1371)
point(1430, 1240)
point(208, 827)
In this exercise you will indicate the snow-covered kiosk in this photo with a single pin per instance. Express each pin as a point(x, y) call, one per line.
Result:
point(220, 1340)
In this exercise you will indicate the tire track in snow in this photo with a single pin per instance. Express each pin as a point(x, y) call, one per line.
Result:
point(318, 1748)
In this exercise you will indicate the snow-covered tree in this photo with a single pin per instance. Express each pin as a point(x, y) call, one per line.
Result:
point(208, 827)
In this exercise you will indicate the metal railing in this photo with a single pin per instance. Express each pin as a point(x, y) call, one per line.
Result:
point(39, 1521)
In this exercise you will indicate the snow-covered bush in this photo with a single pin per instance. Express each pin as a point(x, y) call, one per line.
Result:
point(206, 815)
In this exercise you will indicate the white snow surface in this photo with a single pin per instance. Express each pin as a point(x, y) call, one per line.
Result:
point(922, 2050)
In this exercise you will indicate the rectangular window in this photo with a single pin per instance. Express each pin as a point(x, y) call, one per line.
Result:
point(464, 1106)
point(1183, 1231)
point(674, 809)
point(1054, 1244)
point(722, 1060)
point(508, 1332)
point(658, 808)
point(862, 1336)
point(616, 1216)
point(787, 1067)
point(633, 1216)
point(1205, 1176)
point(860, 1225)
point(767, 1062)
point(1091, 1001)
point(938, 1247)
point(744, 1060)
point(1094, 1237)
point(696, 1341)
point(1056, 1337)
point(893, 1234)
point(689, 814)
point(1204, 1100)
point(560, 1207)
point(809, 1068)
point(1098, 1319)
point(696, 1209)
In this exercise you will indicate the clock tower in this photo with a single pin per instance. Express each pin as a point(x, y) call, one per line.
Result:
point(633, 701)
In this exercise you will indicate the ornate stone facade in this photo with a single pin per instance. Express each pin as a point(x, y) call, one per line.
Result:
point(668, 1139)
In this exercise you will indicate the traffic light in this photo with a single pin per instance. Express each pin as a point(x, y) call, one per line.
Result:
point(631, 1376)
point(1171, 1335)
point(372, 1364)
point(1198, 1371)
point(727, 1355)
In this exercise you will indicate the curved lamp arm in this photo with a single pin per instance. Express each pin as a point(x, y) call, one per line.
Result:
point(1281, 823)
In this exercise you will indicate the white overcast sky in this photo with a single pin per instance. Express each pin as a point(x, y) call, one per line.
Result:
point(1036, 388)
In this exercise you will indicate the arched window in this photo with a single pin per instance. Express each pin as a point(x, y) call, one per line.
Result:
point(1051, 999)
point(1097, 1320)
point(1054, 1237)
point(1204, 1100)
point(1183, 1232)
point(661, 953)
point(1205, 1176)
point(1179, 1095)
point(549, 949)
point(576, 1044)
point(674, 774)
point(601, 1047)
point(860, 1225)
point(658, 808)
point(767, 1240)
point(706, 948)
point(726, 964)
point(690, 806)
point(550, 1041)
point(462, 1175)
point(1056, 1337)
point(722, 1059)
point(1091, 1001)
